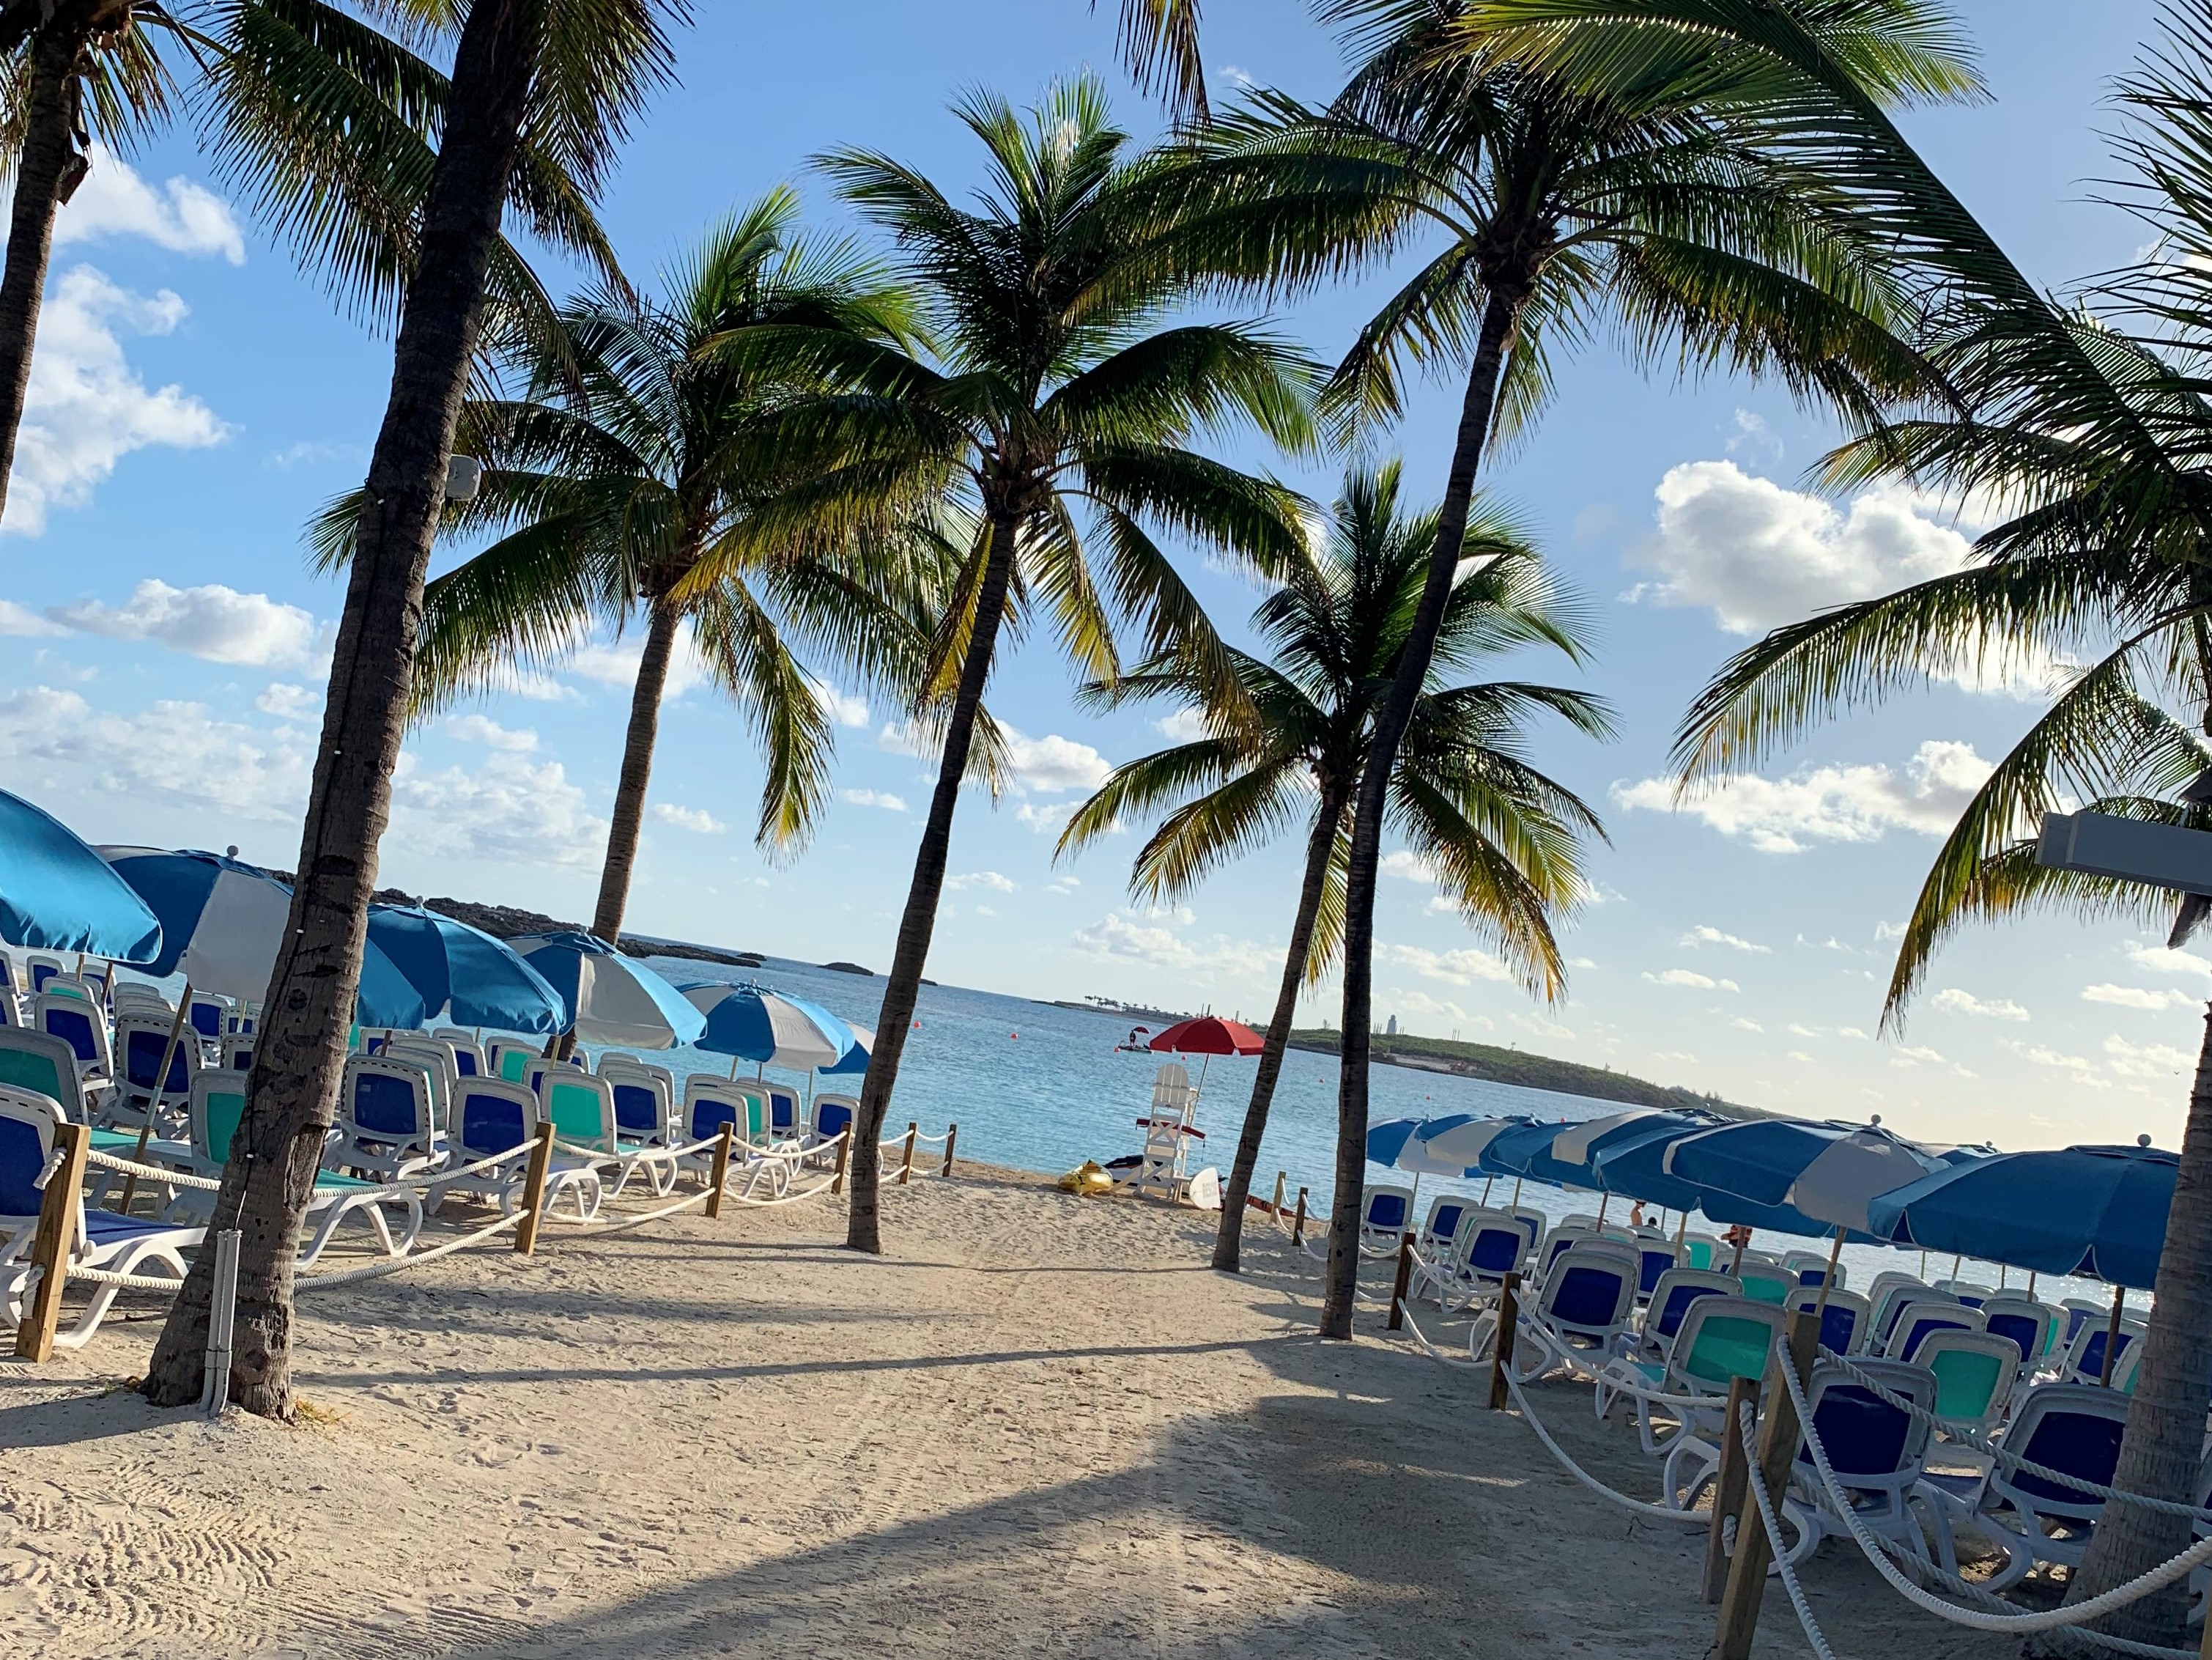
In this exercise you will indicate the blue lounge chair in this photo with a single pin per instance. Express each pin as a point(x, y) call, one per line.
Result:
point(2072, 1428)
point(1843, 1318)
point(492, 1116)
point(1877, 1451)
point(1915, 1320)
point(1386, 1215)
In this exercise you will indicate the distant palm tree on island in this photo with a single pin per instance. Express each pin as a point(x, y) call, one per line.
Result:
point(1500, 837)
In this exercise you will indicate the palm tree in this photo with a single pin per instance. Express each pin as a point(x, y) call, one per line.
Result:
point(1500, 836)
point(571, 75)
point(643, 437)
point(1548, 209)
point(1058, 389)
point(2091, 422)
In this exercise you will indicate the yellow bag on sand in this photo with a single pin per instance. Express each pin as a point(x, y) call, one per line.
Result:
point(1086, 1177)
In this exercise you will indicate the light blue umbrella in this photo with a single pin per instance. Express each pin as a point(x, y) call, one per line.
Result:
point(57, 894)
point(767, 1028)
point(854, 1061)
point(464, 974)
point(1826, 1171)
point(223, 922)
point(1460, 1137)
point(613, 999)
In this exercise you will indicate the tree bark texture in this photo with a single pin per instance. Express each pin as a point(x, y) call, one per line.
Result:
point(47, 172)
point(299, 1056)
point(1229, 1238)
point(2162, 1449)
point(636, 772)
point(863, 1229)
point(1500, 313)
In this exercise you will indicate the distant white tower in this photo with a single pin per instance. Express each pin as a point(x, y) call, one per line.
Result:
point(1391, 1031)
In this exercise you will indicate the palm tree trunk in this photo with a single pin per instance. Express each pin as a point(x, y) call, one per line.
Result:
point(1500, 315)
point(636, 771)
point(863, 1230)
point(47, 172)
point(2162, 1446)
point(1229, 1238)
point(300, 1054)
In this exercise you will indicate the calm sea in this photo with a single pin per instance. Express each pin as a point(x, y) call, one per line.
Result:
point(1039, 1087)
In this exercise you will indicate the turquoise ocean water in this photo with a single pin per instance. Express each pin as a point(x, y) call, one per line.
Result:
point(1039, 1087)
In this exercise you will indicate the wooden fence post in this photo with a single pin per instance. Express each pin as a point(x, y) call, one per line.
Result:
point(533, 1188)
point(721, 1173)
point(1276, 1209)
point(1727, 1496)
point(1397, 1322)
point(50, 1245)
point(838, 1181)
point(1778, 1448)
point(1298, 1222)
point(905, 1164)
point(951, 1134)
point(1501, 1352)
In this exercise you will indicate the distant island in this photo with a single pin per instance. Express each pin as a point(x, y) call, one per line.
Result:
point(1532, 1072)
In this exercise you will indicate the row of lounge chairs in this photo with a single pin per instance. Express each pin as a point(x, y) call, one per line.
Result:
point(1626, 1312)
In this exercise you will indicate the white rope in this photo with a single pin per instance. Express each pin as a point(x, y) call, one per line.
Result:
point(1878, 1553)
point(1757, 1481)
point(128, 1281)
point(413, 1259)
point(2012, 1461)
point(599, 1230)
point(174, 1178)
point(1649, 1513)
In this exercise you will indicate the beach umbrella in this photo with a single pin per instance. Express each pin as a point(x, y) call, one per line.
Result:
point(1826, 1172)
point(57, 894)
point(855, 1060)
point(1461, 1138)
point(612, 998)
point(222, 923)
point(464, 974)
point(2098, 1211)
point(1209, 1034)
point(767, 1028)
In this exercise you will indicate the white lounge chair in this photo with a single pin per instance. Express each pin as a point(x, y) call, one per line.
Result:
point(492, 1116)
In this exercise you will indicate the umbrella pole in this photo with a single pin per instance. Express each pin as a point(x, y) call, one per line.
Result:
point(1487, 1182)
point(154, 1100)
point(1828, 1283)
point(2003, 1269)
point(1957, 1261)
point(2030, 1285)
point(736, 1061)
point(1741, 1240)
point(1682, 1231)
point(1603, 1200)
point(1923, 1264)
point(2113, 1334)
point(1517, 1193)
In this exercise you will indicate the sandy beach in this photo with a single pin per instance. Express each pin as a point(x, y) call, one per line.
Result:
point(1038, 1426)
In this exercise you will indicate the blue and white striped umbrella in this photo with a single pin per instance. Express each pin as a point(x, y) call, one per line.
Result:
point(57, 894)
point(462, 973)
point(854, 1061)
point(613, 999)
point(222, 921)
point(754, 1023)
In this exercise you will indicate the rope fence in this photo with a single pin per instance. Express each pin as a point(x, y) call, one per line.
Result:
point(37, 1288)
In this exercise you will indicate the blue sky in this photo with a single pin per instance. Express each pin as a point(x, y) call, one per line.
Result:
point(162, 640)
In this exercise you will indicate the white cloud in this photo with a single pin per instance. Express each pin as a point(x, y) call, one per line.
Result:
point(615, 662)
point(1410, 866)
point(2042, 1056)
point(1965, 1002)
point(1831, 803)
point(867, 797)
point(1690, 979)
point(984, 910)
point(1048, 819)
point(1742, 1024)
point(180, 215)
point(20, 621)
point(2139, 997)
point(86, 408)
point(1683, 1056)
point(980, 879)
point(1122, 938)
point(1752, 434)
point(1889, 931)
point(513, 812)
point(172, 751)
point(1062, 885)
point(476, 729)
point(697, 820)
point(2159, 959)
point(214, 621)
point(2148, 1060)
point(845, 708)
point(286, 701)
point(1757, 556)
point(1705, 934)
point(1183, 727)
point(1462, 967)
point(1849, 1032)
point(1799, 1055)
point(1052, 763)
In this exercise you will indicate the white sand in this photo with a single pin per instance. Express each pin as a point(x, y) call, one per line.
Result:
point(1039, 1425)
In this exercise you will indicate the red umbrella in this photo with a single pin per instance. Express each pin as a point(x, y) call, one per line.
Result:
point(1209, 1035)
